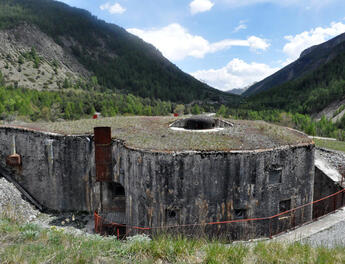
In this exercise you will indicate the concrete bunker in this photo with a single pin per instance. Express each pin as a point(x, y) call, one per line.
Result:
point(143, 174)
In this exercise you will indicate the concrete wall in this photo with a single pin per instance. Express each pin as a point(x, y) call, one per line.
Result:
point(163, 189)
point(323, 187)
point(186, 188)
point(58, 171)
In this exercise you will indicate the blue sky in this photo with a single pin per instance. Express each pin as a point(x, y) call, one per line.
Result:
point(226, 43)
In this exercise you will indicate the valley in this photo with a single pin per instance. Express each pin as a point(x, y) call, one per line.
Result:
point(111, 153)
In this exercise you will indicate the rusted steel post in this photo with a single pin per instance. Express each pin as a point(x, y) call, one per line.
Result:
point(103, 154)
point(342, 193)
point(270, 228)
point(100, 225)
point(96, 222)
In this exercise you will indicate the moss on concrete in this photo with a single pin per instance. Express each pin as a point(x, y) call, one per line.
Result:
point(153, 133)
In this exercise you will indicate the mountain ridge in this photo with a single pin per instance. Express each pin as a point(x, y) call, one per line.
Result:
point(310, 93)
point(120, 61)
point(309, 60)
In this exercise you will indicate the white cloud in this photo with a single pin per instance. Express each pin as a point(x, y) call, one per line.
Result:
point(302, 3)
point(176, 43)
point(242, 25)
point(256, 43)
point(113, 8)
point(236, 74)
point(296, 44)
point(199, 6)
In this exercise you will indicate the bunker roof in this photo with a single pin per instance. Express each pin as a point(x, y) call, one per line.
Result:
point(155, 134)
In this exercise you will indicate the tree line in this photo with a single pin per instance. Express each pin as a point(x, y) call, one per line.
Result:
point(73, 104)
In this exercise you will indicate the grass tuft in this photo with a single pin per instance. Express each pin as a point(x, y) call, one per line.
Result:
point(330, 144)
point(153, 133)
point(20, 243)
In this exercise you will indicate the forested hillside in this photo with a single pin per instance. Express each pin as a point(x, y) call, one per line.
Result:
point(310, 60)
point(294, 102)
point(309, 94)
point(120, 61)
point(82, 102)
point(70, 104)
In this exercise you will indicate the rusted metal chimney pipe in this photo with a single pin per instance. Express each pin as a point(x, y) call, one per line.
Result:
point(103, 154)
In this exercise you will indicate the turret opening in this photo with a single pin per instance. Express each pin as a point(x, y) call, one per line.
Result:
point(200, 124)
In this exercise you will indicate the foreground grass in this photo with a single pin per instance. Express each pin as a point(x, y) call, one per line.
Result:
point(330, 144)
point(31, 244)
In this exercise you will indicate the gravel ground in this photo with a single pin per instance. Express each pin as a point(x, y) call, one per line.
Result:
point(330, 237)
point(12, 204)
point(334, 158)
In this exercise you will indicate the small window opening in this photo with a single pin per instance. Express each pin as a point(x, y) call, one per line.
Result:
point(117, 189)
point(240, 213)
point(284, 206)
point(170, 213)
point(275, 175)
point(253, 177)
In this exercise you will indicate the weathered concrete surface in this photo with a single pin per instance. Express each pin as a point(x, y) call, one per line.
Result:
point(58, 171)
point(201, 187)
point(163, 189)
point(328, 180)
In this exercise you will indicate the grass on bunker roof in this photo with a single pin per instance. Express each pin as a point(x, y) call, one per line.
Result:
point(154, 134)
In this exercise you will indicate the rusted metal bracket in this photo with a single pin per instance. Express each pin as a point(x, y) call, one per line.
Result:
point(14, 160)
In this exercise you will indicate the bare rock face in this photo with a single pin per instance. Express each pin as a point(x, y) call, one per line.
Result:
point(55, 63)
point(332, 111)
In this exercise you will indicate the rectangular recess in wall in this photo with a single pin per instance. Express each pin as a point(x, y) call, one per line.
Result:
point(253, 177)
point(103, 154)
point(240, 213)
point(284, 206)
point(275, 175)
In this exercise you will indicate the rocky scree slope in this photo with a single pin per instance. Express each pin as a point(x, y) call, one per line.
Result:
point(29, 58)
point(12, 204)
point(335, 111)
